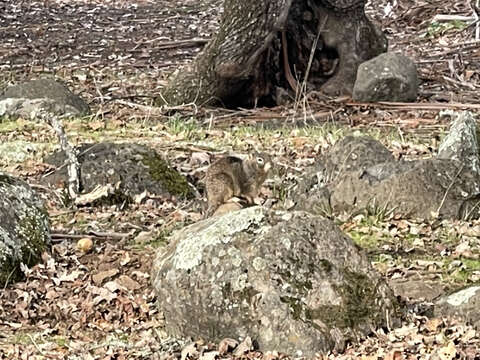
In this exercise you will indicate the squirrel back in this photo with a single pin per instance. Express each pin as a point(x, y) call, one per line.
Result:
point(231, 177)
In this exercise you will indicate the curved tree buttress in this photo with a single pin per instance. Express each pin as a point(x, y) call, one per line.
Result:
point(263, 47)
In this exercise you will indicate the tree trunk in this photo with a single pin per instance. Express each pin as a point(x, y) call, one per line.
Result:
point(263, 49)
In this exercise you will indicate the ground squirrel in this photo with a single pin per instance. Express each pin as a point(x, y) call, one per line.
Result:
point(233, 177)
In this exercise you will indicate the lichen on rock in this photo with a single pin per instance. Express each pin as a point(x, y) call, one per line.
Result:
point(24, 227)
point(30, 96)
point(135, 168)
point(463, 303)
point(288, 280)
point(192, 240)
point(461, 142)
point(18, 150)
point(355, 177)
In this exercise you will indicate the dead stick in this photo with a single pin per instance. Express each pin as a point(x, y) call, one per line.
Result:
point(73, 167)
point(160, 110)
point(176, 44)
point(92, 234)
point(416, 106)
point(286, 65)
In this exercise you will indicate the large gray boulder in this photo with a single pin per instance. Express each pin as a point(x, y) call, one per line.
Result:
point(42, 94)
point(373, 180)
point(24, 228)
point(349, 153)
point(131, 168)
point(387, 77)
point(421, 189)
point(292, 281)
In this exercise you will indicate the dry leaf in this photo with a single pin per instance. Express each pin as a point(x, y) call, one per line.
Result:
point(469, 335)
point(447, 352)
point(227, 345)
point(244, 347)
point(270, 355)
point(128, 283)
point(210, 355)
point(71, 276)
point(394, 355)
point(299, 142)
point(125, 258)
point(199, 158)
point(113, 286)
point(99, 192)
point(138, 199)
point(143, 237)
point(101, 276)
point(189, 351)
point(433, 324)
point(463, 249)
point(51, 294)
point(95, 125)
point(103, 294)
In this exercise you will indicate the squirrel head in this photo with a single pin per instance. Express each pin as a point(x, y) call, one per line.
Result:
point(261, 161)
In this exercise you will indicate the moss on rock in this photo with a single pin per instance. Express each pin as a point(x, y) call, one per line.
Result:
point(131, 168)
point(359, 295)
point(292, 280)
point(174, 182)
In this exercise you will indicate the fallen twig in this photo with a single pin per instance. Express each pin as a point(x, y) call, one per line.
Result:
point(448, 189)
point(58, 237)
point(175, 44)
point(156, 110)
point(73, 167)
point(36, 345)
point(442, 17)
point(416, 106)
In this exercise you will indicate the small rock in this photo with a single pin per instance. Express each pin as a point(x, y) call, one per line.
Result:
point(387, 77)
point(461, 141)
point(463, 303)
point(416, 289)
point(65, 101)
point(85, 245)
point(373, 179)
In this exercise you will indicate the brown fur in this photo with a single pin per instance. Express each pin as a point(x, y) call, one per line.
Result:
point(231, 177)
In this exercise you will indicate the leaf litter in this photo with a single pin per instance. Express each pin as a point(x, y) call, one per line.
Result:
point(94, 301)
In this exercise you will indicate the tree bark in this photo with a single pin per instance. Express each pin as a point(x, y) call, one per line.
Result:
point(263, 48)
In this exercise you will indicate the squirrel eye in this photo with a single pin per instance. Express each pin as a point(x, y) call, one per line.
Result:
point(259, 160)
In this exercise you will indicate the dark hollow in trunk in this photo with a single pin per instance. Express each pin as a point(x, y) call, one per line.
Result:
point(262, 49)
